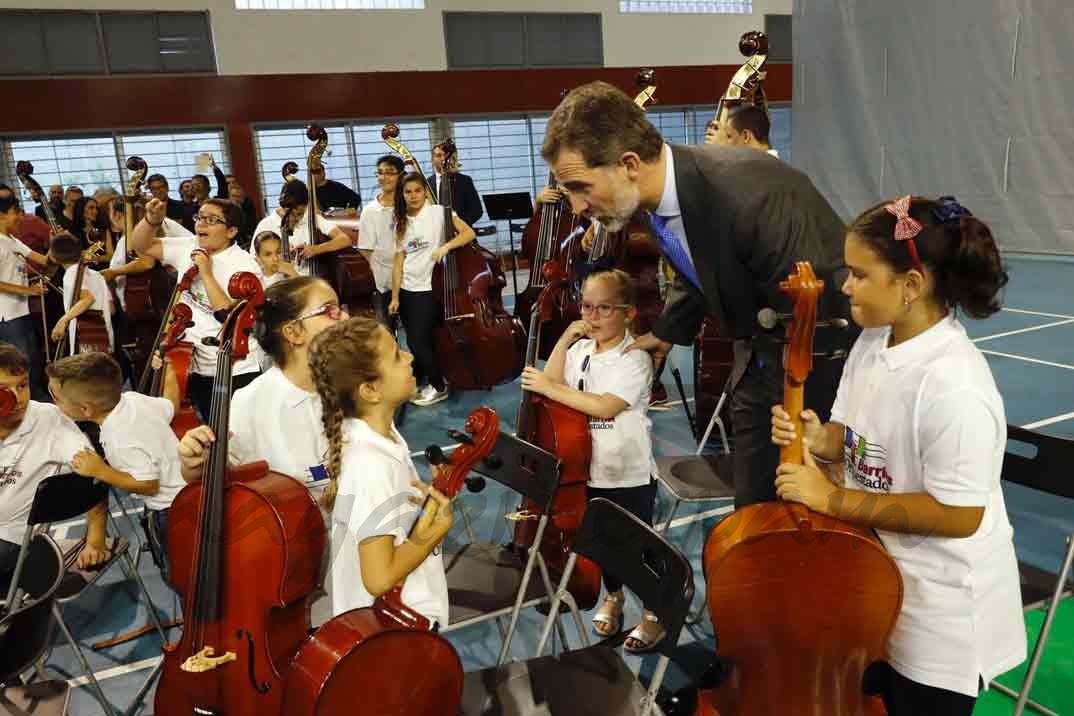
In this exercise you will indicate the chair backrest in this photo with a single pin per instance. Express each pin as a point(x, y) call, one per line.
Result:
point(650, 566)
point(524, 468)
point(1048, 471)
point(64, 497)
point(43, 569)
point(26, 632)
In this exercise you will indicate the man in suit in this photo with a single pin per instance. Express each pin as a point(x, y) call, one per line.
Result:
point(464, 196)
point(732, 221)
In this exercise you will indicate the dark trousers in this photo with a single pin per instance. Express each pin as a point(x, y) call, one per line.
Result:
point(9, 555)
point(20, 333)
point(421, 314)
point(199, 389)
point(156, 531)
point(761, 386)
point(638, 501)
point(903, 697)
point(381, 301)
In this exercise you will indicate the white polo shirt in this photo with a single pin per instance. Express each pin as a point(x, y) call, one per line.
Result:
point(272, 419)
point(42, 446)
point(232, 260)
point(376, 234)
point(622, 446)
point(424, 232)
point(137, 439)
point(13, 270)
point(118, 260)
point(925, 416)
point(372, 501)
point(93, 282)
point(300, 237)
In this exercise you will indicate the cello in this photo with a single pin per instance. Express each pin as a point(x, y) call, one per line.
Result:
point(246, 546)
point(386, 653)
point(802, 602)
point(564, 432)
point(346, 269)
point(480, 345)
point(91, 331)
point(288, 172)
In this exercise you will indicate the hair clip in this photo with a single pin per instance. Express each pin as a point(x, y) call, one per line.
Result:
point(906, 227)
point(949, 210)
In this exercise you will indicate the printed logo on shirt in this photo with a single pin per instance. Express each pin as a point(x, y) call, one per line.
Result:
point(601, 424)
point(415, 245)
point(866, 462)
point(9, 475)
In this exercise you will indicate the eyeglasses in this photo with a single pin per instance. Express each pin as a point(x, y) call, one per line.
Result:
point(603, 309)
point(333, 311)
point(210, 219)
point(389, 173)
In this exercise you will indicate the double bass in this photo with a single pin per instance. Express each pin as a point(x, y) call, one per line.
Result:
point(564, 432)
point(91, 330)
point(346, 270)
point(246, 547)
point(713, 349)
point(479, 344)
point(386, 653)
point(48, 307)
point(820, 596)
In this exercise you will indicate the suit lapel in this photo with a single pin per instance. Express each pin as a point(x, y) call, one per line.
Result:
point(690, 187)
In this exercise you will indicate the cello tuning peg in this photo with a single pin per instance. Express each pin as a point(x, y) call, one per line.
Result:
point(460, 437)
point(435, 455)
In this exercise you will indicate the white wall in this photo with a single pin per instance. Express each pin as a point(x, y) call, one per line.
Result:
point(322, 41)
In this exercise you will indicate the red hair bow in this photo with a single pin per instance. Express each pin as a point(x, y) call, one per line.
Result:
point(907, 227)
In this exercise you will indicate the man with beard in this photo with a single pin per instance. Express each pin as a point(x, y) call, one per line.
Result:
point(732, 222)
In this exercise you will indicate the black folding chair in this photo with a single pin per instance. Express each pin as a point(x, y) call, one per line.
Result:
point(595, 679)
point(26, 630)
point(1049, 472)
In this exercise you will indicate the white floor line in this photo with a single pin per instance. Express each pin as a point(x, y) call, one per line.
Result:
point(1024, 330)
point(1027, 360)
point(1048, 421)
point(115, 671)
point(1036, 313)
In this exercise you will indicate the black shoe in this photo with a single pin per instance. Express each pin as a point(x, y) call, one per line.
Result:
point(684, 701)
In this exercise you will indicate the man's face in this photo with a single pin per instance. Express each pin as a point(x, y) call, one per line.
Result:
point(608, 194)
point(19, 385)
point(438, 160)
point(387, 177)
point(200, 187)
point(712, 132)
point(71, 197)
point(159, 189)
point(186, 190)
point(55, 194)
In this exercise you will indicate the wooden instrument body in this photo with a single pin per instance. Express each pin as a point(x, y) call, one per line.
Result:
point(800, 613)
point(91, 333)
point(714, 356)
point(370, 646)
point(564, 432)
point(273, 544)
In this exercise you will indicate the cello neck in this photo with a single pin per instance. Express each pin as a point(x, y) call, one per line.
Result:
point(533, 340)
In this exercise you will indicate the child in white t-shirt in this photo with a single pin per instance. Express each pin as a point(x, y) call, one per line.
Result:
point(139, 445)
point(294, 203)
point(267, 248)
point(420, 231)
point(920, 430)
point(36, 442)
point(95, 295)
point(378, 539)
point(591, 371)
point(376, 234)
point(217, 258)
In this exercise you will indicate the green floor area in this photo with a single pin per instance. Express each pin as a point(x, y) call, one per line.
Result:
point(1053, 686)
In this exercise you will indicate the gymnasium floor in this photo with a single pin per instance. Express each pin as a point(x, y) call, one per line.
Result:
point(1030, 346)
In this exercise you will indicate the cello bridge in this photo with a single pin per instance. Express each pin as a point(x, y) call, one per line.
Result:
point(205, 661)
point(521, 516)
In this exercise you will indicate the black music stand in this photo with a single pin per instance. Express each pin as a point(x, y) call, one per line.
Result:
point(506, 207)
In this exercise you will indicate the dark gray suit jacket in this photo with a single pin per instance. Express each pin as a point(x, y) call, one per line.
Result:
point(748, 217)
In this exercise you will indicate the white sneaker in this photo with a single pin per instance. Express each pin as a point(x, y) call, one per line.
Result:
point(430, 396)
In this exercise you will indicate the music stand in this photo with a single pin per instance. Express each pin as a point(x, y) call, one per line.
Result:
point(506, 207)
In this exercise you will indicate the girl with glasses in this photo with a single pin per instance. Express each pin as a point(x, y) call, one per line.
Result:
point(278, 416)
point(590, 371)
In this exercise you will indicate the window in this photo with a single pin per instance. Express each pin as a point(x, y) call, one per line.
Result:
point(99, 160)
point(733, 7)
point(330, 4)
point(512, 39)
point(275, 147)
point(415, 134)
point(173, 154)
point(92, 43)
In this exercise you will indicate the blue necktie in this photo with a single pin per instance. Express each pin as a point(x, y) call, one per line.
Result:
point(673, 250)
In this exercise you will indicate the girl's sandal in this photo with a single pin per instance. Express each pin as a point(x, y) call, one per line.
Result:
point(644, 640)
point(608, 620)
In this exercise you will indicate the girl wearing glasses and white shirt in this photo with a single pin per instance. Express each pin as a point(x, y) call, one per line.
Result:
point(277, 417)
point(213, 251)
point(591, 371)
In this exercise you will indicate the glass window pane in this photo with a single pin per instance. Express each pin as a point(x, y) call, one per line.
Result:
point(275, 147)
point(743, 7)
point(172, 154)
point(87, 161)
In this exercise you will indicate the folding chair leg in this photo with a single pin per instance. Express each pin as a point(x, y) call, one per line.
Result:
point(132, 572)
point(1042, 639)
point(654, 686)
point(130, 523)
point(671, 516)
point(109, 711)
point(139, 698)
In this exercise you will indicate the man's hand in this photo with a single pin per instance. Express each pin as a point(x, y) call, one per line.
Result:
point(651, 344)
point(155, 211)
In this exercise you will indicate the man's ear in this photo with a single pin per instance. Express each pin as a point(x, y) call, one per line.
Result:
point(632, 162)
